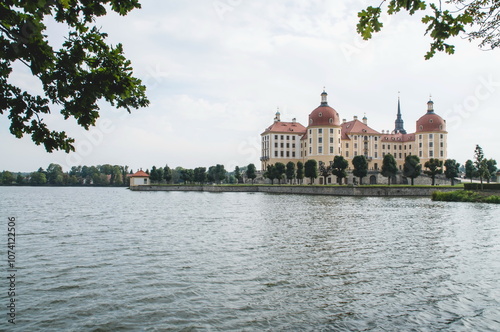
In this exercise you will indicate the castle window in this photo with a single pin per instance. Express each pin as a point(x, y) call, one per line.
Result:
point(347, 145)
point(347, 154)
point(331, 130)
point(331, 149)
point(287, 137)
point(420, 154)
point(355, 145)
point(320, 131)
point(320, 114)
point(331, 140)
point(281, 145)
point(431, 121)
point(420, 145)
point(330, 120)
point(320, 149)
point(320, 139)
point(293, 145)
point(275, 153)
point(442, 154)
point(376, 154)
point(288, 145)
point(275, 144)
point(431, 144)
point(355, 153)
point(275, 136)
point(293, 154)
point(288, 153)
point(431, 136)
point(431, 153)
point(419, 127)
point(383, 146)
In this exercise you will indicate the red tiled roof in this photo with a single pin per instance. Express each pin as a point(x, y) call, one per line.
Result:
point(324, 116)
point(431, 122)
point(138, 174)
point(395, 138)
point(285, 127)
point(356, 127)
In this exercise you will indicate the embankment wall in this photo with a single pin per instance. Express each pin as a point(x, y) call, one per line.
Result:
point(396, 191)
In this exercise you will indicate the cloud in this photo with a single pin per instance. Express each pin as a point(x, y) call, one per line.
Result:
point(216, 75)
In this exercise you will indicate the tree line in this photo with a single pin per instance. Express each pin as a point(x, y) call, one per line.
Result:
point(216, 174)
point(482, 168)
point(101, 175)
point(115, 175)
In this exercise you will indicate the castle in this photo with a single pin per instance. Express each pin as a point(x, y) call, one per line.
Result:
point(326, 136)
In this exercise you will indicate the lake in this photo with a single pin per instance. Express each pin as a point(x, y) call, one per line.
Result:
point(107, 259)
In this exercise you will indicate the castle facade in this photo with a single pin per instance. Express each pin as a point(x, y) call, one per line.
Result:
point(327, 136)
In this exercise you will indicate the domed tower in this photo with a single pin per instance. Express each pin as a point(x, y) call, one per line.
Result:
point(323, 133)
point(431, 135)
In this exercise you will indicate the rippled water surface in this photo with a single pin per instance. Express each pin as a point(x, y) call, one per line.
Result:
point(107, 259)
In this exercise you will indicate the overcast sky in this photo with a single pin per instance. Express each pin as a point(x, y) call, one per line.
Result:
point(216, 71)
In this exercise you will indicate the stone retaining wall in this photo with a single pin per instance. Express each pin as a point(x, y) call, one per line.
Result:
point(308, 190)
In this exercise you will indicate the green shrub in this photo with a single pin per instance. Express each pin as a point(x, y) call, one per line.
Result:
point(486, 186)
point(464, 196)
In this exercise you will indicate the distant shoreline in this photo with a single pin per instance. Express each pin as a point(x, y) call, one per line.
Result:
point(370, 191)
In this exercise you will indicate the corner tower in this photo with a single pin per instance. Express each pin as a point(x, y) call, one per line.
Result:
point(322, 139)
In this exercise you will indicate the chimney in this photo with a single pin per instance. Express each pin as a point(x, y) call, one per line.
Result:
point(344, 120)
point(294, 120)
point(355, 117)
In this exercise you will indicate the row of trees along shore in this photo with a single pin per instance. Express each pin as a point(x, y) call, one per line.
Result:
point(482, 168)
point(115, 175)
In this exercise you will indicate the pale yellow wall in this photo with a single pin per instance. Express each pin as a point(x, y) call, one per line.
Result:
point(280, 147)
point(432, 145)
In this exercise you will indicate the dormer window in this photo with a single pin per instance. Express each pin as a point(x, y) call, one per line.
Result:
point(320, 114)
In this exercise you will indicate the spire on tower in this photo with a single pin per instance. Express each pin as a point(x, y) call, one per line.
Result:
point(324, 102)
point(399, 119)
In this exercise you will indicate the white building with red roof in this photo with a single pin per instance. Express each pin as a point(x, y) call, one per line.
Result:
point(139, 178)
point(326, 137)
